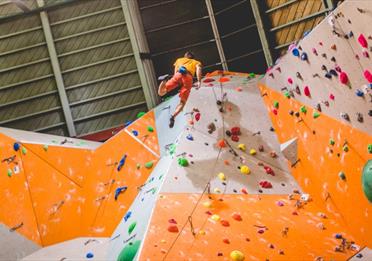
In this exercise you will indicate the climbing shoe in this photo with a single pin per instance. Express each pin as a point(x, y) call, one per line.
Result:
point(164, 77)
point(171, 122)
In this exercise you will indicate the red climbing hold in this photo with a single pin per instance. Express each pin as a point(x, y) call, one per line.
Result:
point(265, 184)
point(235, 138)
point(269, 170)
point(363, 41)
point(207, 80)
point(307, 91)
point(275, 111)
point(197, 116)
point(344, 79)
point(225, 223)
point(221, 143)
point(332, 97)
point(239, 89)
point(226, 241)
point(368, 76)
point(235, 131)
point(224, 79)
point(173, 229)
point(290, 81)
point(237, 216)
point(244, 191)
point(172, 221)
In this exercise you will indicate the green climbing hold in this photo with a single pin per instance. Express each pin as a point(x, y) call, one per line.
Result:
point(342, 175)
point(172, 149)
point(331, 142)
point(367, 180)
point(129, 252)
point(132, 227)
point(252, 75)
point(140, 114)
point(370, 148)
point(276, 104)
point(45, 147)
point(24, 150)
point(286, 94)
point(345, 148)
point(10, 172)
point(148, 165)
point(183, 162)
point(303, 109)
point(316, 114)
point(150, 129)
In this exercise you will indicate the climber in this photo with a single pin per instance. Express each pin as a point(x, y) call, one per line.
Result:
point(185, 69)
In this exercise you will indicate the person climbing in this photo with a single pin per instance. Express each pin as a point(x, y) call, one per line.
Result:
point(185, 69)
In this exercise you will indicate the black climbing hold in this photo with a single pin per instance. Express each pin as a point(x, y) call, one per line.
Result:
point(224, 183)
point(297, 114)
point(191, 162)
point(338, 154)
point(219, 102)
point(359, 255)
point(333, 59)
point(360, 117)
point(221, 109)
point(235, 191)
point(324, 68)
point(238, 167)
point(272, 129)
point(314, 132)
point(206, 143)
point(283, 184)
point(328, 75)
point(333, 72)
point(228, 133)
point(370, 113)
point(260, 190)
point(291, 113)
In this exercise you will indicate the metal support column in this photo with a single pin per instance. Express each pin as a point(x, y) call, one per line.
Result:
point(57, 71)
point(216, 35)
point(139, 45)
point(261, 32)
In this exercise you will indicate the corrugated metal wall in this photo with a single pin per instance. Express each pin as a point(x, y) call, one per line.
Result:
point(97, 64)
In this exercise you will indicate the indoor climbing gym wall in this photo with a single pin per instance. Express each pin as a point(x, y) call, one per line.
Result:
point(256, 167)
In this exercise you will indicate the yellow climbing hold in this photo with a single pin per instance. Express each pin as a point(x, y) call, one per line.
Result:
point(207, 204)
point(242, 147)
point(163, 241)
point(217, 190)
point(245, 170)
point(221, 176)
point(201, 232)
point(215, 217)
point(237, 255)
point(252, 152)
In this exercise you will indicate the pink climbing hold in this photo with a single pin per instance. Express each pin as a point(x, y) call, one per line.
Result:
point(368, 76)
point(363, 41)
point(344, 79)
point(315, 51)
point(173, 229)
point(321, 43)
point(332, 97)
point(307, 91)
point(365, 54)
point(269, 171)
point(197, 116)
point(172, 221)
point(290, 81)
point(265, 184)
point(237, 216)
point(239, 89)
point(275, 111)
point(244, 191)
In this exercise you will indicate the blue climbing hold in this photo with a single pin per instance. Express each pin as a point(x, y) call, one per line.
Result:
point(189, 137)
point(119, 190)
point(16, 146)
point(127, 216)
point(333, 72)
point(304, 56)
point(296, 52)
point(127, 123)
point(328, 75)
point(338, 236)
point(135, 133)
point(359, 93)
point(89, 255)
point(122, 162)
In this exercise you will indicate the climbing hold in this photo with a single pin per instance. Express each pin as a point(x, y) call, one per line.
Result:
point(297, 90)
point(368, 76)
point(173, 228)
point(331, 142)
point(217, 190)
point(223, 79)
point(9, 172)
point(215, 217)
point(211, 128)
point(275, 111)
point(226, 241)
point(345, 116)
point(140, 114)
point(190, 137)
point(222, 143)
point(89, 255)
point(197, 116)
point(16, 146)
point(45, 147)
point(252, 151)
point(221, 176)
point(148, 165)
point(127, 216)
point(225, 223)
point(235, 138)
point(269, 171)
point(237, 256)
point(24, 151)
point(304, 56)
point(333, 47)
point(287, 94)
point(237, 216)
point(135, 133)
point(120, 190)
point(276, 104)
point(122, 162)
point(244, 191)
point(314, 51)
point(296, 52)
point(131, 227)
point(261, 148)
point(333, 72)
point(303, 109)
point(338, 236)
point(344, 79)
point(183, 162)
point(265, 184)
point(242, 147)
point(342, 175)
point(207, 204)
point(129, 251)
point(316, 114)
point(307, 91)
point(290, 81)
point(369, 148)
point(245, 170)
point(235, 131)
point(359, 93)
point(363, 41)
point(273, 154)
point(150, 129)
point(280, 203)
point(332, 97)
